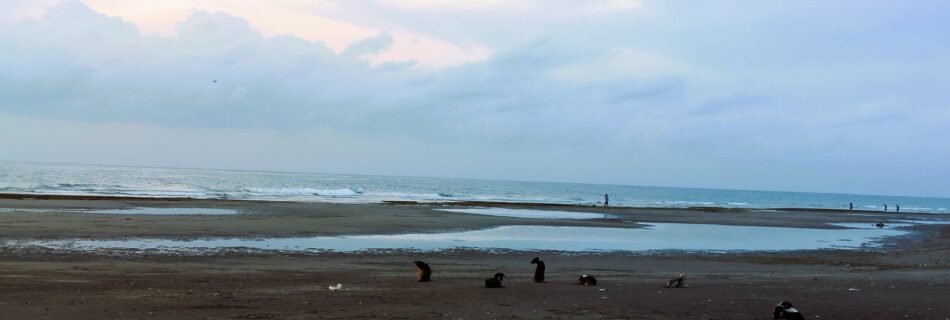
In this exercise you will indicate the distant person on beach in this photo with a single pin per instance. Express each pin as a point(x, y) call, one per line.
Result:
point(851, 206)
point(539, 270)
point(885, 207)
point(898, 207)
point(606, 200)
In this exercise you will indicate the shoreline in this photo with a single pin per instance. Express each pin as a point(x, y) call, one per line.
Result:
point(468, 203)
point(64, 217)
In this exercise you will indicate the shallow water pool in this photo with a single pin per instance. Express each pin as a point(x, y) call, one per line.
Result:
point(656, 236)
point(140, 210)
point(168, 211)
point(530, 214)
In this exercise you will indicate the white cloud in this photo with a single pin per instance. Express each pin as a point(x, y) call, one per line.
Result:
point(565, 7)
point(620, 64)
point(617, 97)
point(613, 5)
point(313, 21)
point(21, 10)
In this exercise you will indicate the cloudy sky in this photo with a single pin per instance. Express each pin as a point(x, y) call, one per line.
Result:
point(830, 96)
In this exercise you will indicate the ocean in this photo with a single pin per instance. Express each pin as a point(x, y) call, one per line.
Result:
point(71, 179)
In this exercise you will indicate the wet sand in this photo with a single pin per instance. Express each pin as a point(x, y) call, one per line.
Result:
point(907, 278)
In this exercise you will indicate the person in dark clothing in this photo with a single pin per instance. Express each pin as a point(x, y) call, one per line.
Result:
point(606, 200)
point(784, 310)
point(495, 281)
point(423, 272)
point(539, 270)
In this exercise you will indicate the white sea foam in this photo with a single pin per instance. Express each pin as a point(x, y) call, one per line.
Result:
point(687, 203)
point(162, 193)
point(281, 192)
point(408, 196)
point(336, 192)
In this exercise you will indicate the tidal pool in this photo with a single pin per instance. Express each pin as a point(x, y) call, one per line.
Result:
point(656, 236)
point(530, 214)
point(168, 211)
point(139, 210)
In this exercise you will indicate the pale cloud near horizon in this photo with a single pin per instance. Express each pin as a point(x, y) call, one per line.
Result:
point(801, 96)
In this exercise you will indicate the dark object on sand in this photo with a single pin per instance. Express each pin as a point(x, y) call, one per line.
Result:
point(678, 282)
point(494, 282)
point(539, 270)
point(423, 272)
point(784, 310)
point(880, 225)
point(586, 280)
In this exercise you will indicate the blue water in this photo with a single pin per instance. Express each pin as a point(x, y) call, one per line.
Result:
point(656, 236)
point(16, 177)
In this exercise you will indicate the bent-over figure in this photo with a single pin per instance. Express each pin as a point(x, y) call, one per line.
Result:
point(423, 272)
point(539, 270)
point(494, 281)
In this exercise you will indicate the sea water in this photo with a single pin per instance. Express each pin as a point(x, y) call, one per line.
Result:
point(65, 179)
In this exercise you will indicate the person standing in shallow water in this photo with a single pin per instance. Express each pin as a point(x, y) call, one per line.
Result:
point(606, 200)
point(850, 206)
point(898, 207)
point(885, 207)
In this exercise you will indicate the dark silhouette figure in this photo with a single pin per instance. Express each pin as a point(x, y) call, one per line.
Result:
point(879, 225)
point(885, 207)
point(586, 280)
point(606, 200)
point(495, 281)
point(678, 282)
point(539, 270)
point(423, 272)
point(850, 206)
point(898, 207)
point(785, 310)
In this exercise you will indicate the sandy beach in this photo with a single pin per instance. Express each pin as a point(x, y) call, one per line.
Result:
point(907, 277)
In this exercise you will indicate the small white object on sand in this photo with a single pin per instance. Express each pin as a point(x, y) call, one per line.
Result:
point(338, 286)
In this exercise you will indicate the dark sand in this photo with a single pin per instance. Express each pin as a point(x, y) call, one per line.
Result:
point(908, 278)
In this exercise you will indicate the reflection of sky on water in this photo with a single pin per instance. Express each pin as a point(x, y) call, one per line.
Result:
point(168, 211)
point(531, 214)
point(657, 236)
point(141, 210)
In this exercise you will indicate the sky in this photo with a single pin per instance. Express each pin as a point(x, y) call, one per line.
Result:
point(820, 96)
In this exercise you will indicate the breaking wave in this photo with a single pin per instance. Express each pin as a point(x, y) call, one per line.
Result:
point(222, 184)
